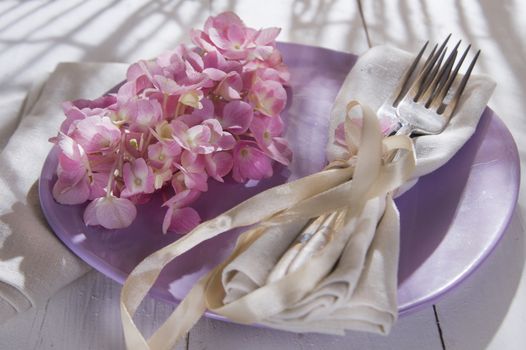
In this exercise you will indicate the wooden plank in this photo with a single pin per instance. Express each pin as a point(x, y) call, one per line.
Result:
point(416, 331)
point(84, 315)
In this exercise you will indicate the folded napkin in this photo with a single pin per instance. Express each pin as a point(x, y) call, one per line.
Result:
point(33, 262)
point(360, 293)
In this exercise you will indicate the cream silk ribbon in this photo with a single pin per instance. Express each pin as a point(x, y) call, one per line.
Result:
point(344, 186)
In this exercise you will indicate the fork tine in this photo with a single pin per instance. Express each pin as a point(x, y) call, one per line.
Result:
point(451, 107)
point(431, 55)
point(406, 79)
point(430, 63)
point(428, 79)
point(442, 77)
point(445, 89)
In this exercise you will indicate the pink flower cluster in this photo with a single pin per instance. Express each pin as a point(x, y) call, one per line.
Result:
point(189, 115)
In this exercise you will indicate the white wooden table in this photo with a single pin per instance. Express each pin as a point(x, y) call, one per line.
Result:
point(488, 310)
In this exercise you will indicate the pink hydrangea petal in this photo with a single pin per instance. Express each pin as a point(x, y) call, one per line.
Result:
point(73, 114)
point(167, 220)
point(192, 167)
point(237, 116)
point(269, 74)
point(143, 73)
point(225, 142)
point(269, 97)
point(223, 20)
point(184, 220)
point(161, 177)
point(197, 181)
point(92, 107)
point(127, 110)
point(138, 178)
point(214, 126)
point(214, 59)
point(159, 156)
point(140, 168)
point(71, 194)
point(110, 212)
point(70, 177)
point(260, 167)
point(100, 163)
point(236, 174)
point(192, 161)
point(267, 36)
point(217, 39)
point(214, 73)
point(250, 162)
point(190, 119)
point(166, 85)
point(279, 150)
point(148, 113)
point(96, 133)
point(182, 198)
point(71, 161)
point(72, 111)
point(219, 165)
point(195, 139)
point(178, 182)
point(126, 92)
point(260, 127)
point(194, 60)
point(71, 149)
point(236, 35)
point(229, 88)
point(236, 54)
point(178, 128)
point(221, 140)
point(207, 111)
point(198, 139)
point(90, 214)
point(262, 52)
point(201, 39)
point(98, 185)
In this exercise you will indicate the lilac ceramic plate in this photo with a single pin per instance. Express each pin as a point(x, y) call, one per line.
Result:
point(450, 221)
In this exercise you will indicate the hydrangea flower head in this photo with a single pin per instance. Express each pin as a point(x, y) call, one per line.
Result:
point(192, 115)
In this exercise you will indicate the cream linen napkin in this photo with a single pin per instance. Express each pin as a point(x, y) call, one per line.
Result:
point(34, 264)
point(360, 293)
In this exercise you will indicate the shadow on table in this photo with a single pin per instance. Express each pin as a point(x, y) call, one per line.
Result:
point(114, 43)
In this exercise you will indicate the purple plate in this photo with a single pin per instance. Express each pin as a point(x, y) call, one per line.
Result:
point(450, 221)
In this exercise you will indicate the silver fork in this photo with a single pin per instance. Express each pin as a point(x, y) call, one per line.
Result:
point(425, 104)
